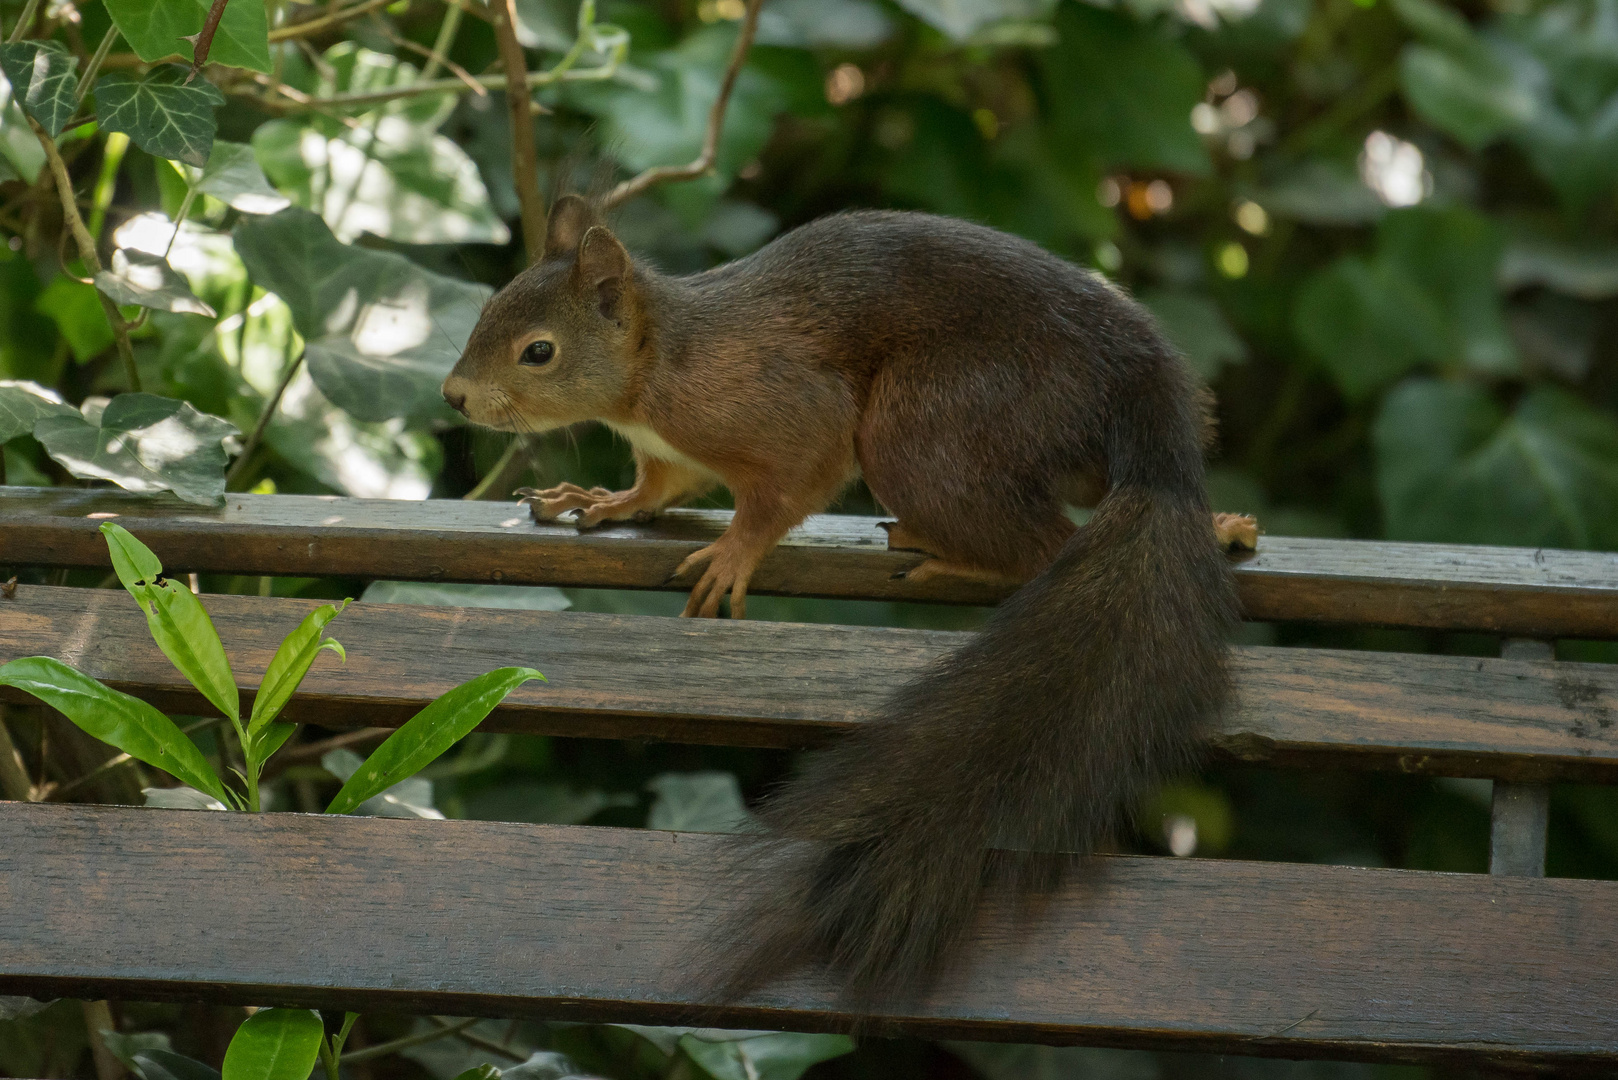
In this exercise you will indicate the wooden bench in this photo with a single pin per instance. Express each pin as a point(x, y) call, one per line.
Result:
point(488, 919)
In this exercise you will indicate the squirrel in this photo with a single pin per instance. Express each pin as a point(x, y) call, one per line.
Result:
point(978, 384)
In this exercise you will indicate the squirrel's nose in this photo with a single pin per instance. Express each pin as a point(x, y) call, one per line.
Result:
point(456, 399)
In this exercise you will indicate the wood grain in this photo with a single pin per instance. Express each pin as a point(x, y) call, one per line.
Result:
point(485, 919)
point(786, 685)
point(1530, 592)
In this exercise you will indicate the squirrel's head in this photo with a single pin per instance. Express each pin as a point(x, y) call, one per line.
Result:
point(559, 343)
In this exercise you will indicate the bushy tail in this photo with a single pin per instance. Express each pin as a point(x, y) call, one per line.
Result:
point(1041, 736)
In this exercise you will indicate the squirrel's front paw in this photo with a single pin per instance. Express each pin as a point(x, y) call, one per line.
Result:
point(552, 503)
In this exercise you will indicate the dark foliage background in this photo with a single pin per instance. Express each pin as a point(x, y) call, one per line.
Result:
point(1385, 231)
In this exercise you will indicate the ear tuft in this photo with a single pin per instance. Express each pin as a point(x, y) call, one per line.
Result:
point(571, 217)
point(604, 267)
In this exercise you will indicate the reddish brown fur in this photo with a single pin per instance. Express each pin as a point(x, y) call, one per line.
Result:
point(978, 383)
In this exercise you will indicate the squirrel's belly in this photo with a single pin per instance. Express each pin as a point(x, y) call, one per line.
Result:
point(652, 444)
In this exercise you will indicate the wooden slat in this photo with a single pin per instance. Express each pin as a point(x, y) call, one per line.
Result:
point(484, 919)
point(1540, 593)
point(783, 684)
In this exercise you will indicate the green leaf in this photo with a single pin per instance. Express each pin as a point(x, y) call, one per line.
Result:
point(411, 797)
point(290, 664)
point(134, 563)
point(165, 116)
point(1196, 326)
point(698, 802)
point(117, 719)
point(381, 332)
point(1454, 466)
point(960, 19)
point(77, 313)
point(437, 593)
point(1121, 92)
point(1428, 296)
point(182, 629)
point(275, 1044)
point(143, 442)
point(1474, 99)
point(428, 734)
point(389, 172)
point(148, 281)
point(43, 76)
point(782, 1055)
point(24, 403)
point(233, 176)
point(479, 1072)
point(156, 29)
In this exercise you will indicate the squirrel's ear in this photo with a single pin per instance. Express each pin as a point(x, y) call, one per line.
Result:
point(603, 268)
point(571, 217)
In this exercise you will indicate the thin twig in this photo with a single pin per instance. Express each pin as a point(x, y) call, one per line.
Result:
point(100, 57)
point(14, 782)
point(87, 248)
point(524, 154)
point(25, 22)
point(479, 1041)
point(434, 57)
point(325, 22)
point(662, 174)
point(444, 42)
point(434, 86)
point(270, 406)
point(371, 1053)
point(202, 43)
point(503, 474)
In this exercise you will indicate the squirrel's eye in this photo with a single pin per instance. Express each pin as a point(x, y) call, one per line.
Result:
point(537, 353)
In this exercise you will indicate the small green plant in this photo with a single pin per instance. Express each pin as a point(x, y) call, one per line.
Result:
point(182, 629)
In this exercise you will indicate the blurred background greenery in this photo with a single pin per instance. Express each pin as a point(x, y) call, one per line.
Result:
point(1384, 231)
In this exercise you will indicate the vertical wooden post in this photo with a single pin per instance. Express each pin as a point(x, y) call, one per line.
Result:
point(1521, 812)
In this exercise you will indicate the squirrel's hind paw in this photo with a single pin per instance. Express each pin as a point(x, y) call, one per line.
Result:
point(1236, 532)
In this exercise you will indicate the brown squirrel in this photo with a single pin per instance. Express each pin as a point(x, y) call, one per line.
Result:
point(977, 383)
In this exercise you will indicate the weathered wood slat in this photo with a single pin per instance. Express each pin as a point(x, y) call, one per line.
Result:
point(781, 684)
point(1540, 593)
point(484, 919)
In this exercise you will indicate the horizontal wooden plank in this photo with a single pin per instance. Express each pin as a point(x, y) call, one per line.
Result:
point(484, 919)
point(1521, 591)
point(785, 684)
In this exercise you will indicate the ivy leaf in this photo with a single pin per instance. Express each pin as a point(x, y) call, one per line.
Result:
point(778, 1055)
point(165, 116)
point(1196, 326)
point(1121, 93)
point(1427, 296)
point(698, 802)
point(143, 442)
point(24, 403)
point(233, 176)
point(1454, 466)
point(157, 29)
point(43, 76)
point(391, 174)
point(381, 332)
point(148, 281)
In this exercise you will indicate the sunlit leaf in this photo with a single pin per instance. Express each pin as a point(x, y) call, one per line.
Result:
point(428, 734)
point(1454, 465)
point(146, 280)
point(143, 442)
point(43, 75)
point(160, 112)
point(182, 629)
point(275, 1044)
point(960, 19)
point(381, 332)
point(23, 403)
point(388, 172)
point(233, 176)
point(136, 565)
point(518, 597)
point(121, 721)
point(290, 664)
point(157, 29)
point(181, 798)
point(409, 798)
